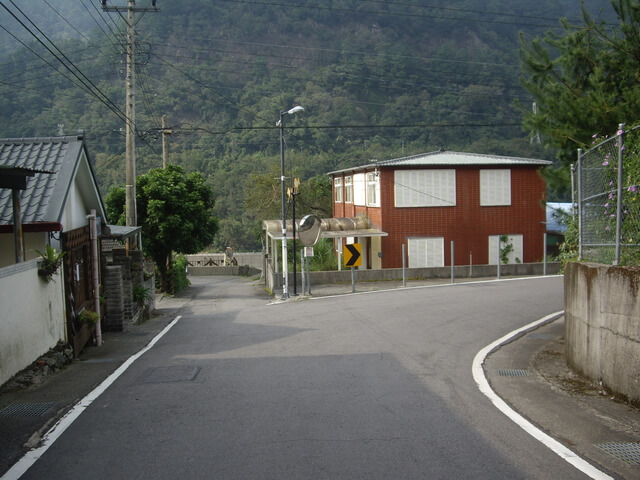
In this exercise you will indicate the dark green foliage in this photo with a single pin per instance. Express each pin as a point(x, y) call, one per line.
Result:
point(179, 274)
point(377, 80)
point(141, 294)
point(586, 79)
point(49, 263)
point(324, 256)
point(175, 212)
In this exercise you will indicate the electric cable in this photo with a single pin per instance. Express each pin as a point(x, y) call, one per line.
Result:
point(86, 82)
point(399, 14)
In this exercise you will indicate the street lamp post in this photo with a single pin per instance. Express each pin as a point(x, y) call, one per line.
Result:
point(285, 265)
point(292, 194)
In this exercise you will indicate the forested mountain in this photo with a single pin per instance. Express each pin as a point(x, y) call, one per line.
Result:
point(378, 79)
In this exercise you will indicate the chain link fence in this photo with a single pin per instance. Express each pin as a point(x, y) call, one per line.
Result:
point(608, 184)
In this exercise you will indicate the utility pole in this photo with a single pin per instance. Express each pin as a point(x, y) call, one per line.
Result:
point(535, 135)
point(130, 111)
point(165, 144)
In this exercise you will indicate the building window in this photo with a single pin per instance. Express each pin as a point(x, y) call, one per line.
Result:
point(348, 189)
point(359, 189)
point(510, 247)
point(373, 189)
point(425, 188)
point(426, 252)
point(337, 189)
point(495, 187)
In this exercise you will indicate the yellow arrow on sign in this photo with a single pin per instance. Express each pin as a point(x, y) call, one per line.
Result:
point(353, 255)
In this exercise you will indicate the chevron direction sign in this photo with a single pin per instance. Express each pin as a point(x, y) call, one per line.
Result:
point(353, 255)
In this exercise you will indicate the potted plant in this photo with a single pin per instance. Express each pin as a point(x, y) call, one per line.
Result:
point(49, 263)
point(89, 318)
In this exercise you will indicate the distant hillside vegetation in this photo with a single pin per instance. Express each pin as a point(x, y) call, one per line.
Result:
point(377, 79)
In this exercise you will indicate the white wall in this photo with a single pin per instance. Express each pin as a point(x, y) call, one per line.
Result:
point(75, 210)
point(32, 242)
point(32, 316)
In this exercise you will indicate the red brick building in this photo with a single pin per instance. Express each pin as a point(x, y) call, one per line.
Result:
point(427, 201)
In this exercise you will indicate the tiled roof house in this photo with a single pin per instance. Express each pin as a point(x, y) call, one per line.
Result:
point(56, 200)
point(430, 200)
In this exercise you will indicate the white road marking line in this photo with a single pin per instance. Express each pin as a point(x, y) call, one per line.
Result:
point(32, 456)
point(554, 445)
point(416, 287)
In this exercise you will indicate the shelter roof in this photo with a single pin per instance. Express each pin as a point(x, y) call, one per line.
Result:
point(330, 228)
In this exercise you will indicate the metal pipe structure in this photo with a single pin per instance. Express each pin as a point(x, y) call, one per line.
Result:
point(93, 233)
point(18, 238)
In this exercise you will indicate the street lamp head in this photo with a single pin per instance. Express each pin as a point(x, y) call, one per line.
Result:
point(295, 110)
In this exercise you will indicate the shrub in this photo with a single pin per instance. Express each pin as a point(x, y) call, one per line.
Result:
point(179, 273)
point(89, 318)
point(141, 294)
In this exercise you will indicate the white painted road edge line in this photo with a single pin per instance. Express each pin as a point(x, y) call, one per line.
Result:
point(417, 287)
point(20, 468)
point(483, 385)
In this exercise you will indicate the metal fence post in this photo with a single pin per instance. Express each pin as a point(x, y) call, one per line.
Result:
point(544, 254)
point(404, 265)
point(498, 267)
point(453, 279)
point(573, 190)
point(620, 181)
point(353, 279)
point(580, 240)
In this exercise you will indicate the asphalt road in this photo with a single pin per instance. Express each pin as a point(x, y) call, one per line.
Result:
point(359, 386)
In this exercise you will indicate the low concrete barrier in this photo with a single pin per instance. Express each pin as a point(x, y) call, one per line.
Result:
point(273, 280)
point(475, 271)
point(242, 270)
point(602, 322)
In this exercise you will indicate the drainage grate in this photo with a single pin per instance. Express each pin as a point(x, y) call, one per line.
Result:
point(26, 409)
point(171, 374)
point(626, 451)
point(513, 373)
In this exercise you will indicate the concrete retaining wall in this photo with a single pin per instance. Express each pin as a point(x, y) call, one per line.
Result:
point(602, 321)
point(32, 316)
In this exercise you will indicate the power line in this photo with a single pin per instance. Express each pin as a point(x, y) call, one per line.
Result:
point(85, 81)
point(208, 87)
point(399, 14)
point(315, 61)
point(463, 10)
point(66, 21)
point(370, 126)
point(356, 52)
point(386, 81)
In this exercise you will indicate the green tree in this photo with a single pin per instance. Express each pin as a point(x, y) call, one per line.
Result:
point(174, 210)
point(263, 197)
point(585, 80)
